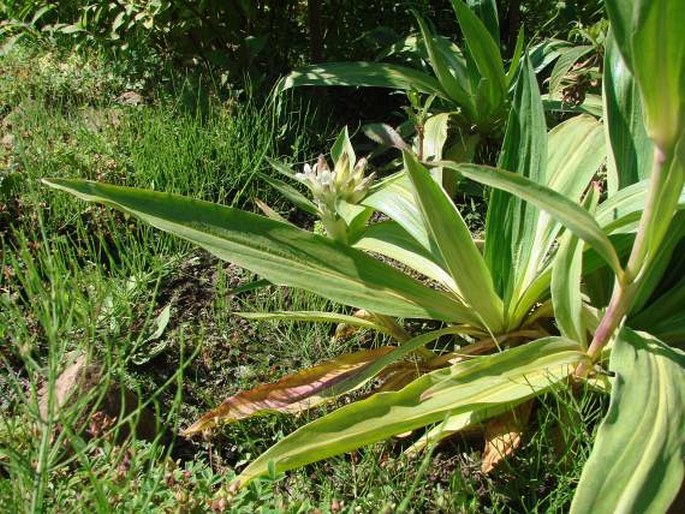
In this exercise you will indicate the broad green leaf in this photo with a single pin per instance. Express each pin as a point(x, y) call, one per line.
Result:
point(391, 240)
point(565, 211)
point(455, 244)
point(395, 199)
point(636, 464)
point(365, 74)
point(631, 151)
point(567, 272)
point(567, 58)
point(443, 72)
point(453, 424)
point(486, 10)
point(280, 253)
point(624, 206)
point(648, 34)
point(467, 387)
point(510, 224)
point(291, 394)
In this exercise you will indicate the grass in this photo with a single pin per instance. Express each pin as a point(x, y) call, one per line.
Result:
point(79, 280)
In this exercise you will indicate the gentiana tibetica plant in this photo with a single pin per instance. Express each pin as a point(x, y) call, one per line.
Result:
point(577, 278)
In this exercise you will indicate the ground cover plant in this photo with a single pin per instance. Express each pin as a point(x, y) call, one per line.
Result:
point(514, 335)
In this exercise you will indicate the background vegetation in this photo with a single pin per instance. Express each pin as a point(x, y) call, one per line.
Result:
point(173, 96)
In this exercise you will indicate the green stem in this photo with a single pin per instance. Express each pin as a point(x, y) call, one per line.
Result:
point(640, 256)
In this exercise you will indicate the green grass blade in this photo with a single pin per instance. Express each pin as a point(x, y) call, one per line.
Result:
point(636, 464)
point(565, 211)
point(467, 387)
point(455, 244)
point(364, 74)
point(279, 252)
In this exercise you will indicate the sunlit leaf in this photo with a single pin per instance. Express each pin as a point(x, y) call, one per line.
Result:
point(367, 74)
point(630, 152)
point(281, 253)
point(567, 58)
point(567, 212)
point(636, 464)
point(443, 71)
point(454, 242)
point(467, 388)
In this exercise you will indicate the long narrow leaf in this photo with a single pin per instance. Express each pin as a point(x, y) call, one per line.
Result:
point(510, 225)
point(454, 242)
point(391, 240)
point(365, 74)
point(631, 150)
point(442, 70)
point(280, 253)
point(567, 212)
point(467, 387)
point(566, 283)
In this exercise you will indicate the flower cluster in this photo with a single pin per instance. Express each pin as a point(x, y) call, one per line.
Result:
point(344, 182)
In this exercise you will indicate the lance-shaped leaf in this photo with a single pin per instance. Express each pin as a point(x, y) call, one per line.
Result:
point(636, 464)
point(485, 55)
point(292, 194)
point(486, 10)
point(365, 74)
point(567, 272)
point(395, 199)
point(619, 212)
point(342, 145)
point(466, 388)
point(567, 58)
point(291, 394)
point(630, 152)
point(389, 239)
point(281, 253)
point(565, 211)
point(443, 72)
point(648, 34)
point(454, 242)
point(314, 386)
point(510, 225)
